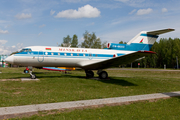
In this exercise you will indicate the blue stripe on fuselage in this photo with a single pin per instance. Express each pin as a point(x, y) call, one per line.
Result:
point(67, 55)
point(131, 47)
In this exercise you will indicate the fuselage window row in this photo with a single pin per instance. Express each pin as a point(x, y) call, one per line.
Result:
point(30, 52)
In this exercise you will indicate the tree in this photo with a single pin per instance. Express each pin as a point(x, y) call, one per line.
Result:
point(14, 52)
point(66, 41)
point(104, 45)
point(91, 41)
point(121, 42)
point(74, 42)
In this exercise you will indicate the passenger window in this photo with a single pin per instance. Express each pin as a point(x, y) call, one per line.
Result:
point(52, 53)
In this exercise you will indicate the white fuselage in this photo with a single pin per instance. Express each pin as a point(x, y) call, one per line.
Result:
point(39, 56)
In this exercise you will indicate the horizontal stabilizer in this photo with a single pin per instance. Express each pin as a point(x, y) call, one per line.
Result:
point(158, 32)
point(148, 37)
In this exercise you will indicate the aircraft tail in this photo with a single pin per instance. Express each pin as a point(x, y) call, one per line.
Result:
point(142, 41)
point(150, 37)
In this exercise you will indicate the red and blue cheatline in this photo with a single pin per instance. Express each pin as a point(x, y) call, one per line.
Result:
point(55, 69)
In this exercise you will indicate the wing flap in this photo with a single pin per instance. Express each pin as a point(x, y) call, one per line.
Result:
point(128, 58)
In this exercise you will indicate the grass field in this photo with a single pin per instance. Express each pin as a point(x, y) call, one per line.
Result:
point(58, 87)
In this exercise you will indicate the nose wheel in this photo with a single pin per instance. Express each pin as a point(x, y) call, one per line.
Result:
point(29, 70)
point(32, 76)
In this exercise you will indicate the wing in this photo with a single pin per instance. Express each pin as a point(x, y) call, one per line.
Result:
point(124, 59)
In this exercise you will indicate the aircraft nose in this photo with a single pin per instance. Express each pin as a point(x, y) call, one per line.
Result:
point(10, 59)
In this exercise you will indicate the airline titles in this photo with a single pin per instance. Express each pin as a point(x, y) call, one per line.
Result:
point(72, 50)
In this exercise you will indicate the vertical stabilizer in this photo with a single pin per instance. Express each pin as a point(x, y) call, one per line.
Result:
point(150, 37)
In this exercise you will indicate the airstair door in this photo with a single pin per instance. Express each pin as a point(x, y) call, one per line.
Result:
point(40, 56)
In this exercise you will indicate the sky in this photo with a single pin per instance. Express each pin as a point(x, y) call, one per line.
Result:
point(46, 22)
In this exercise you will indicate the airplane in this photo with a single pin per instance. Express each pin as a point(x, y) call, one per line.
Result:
point(87, 58)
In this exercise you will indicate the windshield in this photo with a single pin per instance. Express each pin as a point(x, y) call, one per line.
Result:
point(25, 50)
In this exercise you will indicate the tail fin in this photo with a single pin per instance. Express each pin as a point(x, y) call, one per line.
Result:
point(143, 41)
point(150, 37)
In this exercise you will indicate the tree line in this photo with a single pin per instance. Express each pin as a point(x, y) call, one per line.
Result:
point(167, 54)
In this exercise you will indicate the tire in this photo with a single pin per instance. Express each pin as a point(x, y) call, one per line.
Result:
point(33, 76)
point(103, 75)
point(89, 74)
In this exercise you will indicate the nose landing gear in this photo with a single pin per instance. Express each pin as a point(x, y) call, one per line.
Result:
point(32, 76)
point(29, 70)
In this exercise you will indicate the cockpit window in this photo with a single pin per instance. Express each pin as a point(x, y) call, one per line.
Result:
point(26, 50)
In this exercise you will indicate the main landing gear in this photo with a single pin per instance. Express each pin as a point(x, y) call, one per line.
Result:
point(89, 73)
point(29, 70)
point(102, 74)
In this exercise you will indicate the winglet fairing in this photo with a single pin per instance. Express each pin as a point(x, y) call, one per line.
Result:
point(85, 58)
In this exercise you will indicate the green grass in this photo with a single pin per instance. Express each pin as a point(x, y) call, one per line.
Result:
point(57, 87)
point(164, 109)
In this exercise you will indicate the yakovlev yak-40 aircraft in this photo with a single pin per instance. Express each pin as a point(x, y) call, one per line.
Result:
point(86, 58)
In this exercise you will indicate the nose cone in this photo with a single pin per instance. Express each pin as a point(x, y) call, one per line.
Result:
point(10, 59)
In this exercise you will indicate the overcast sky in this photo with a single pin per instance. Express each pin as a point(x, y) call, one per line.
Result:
point(45, 22)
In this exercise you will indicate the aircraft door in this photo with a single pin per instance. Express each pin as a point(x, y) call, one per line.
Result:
point(40, 56)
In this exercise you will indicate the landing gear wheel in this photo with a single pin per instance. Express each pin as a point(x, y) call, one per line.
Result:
point(103, 75)
point(89, 74)
point(33, 76)
point(26, 71)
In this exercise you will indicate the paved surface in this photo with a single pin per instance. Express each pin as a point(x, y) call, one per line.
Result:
point(28, 79)
point(143, 69)
point(8, 112)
